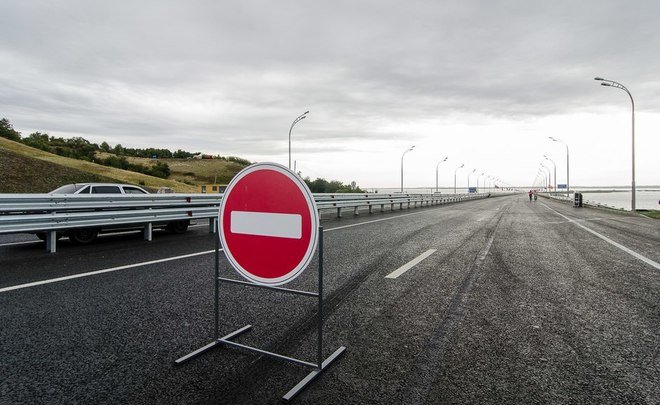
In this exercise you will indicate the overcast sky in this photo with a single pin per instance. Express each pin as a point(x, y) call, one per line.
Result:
point(482, 82)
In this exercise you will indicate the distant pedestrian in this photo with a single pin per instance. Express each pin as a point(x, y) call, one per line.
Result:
point(530, 195)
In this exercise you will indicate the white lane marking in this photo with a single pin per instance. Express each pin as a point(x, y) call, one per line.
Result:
point(375, 220)
point(396, 273)
point(20, 243)
point(610, 241)
point(94, 273)
point(267, 224)
point(579, 220)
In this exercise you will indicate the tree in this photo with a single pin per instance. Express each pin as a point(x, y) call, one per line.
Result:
point(7, 131)
point(39, 141)
point(105, 147)
point(118, 149)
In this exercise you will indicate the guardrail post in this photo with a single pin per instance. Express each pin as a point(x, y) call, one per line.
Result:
point(338, 212)
point(213, 224)
point(355, 210)
point(148, 231)
point(382, 208)
point(51, 241)
point(371, 207)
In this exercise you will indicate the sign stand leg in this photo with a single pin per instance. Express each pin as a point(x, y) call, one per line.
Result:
point(216, 312)
point(322, 365)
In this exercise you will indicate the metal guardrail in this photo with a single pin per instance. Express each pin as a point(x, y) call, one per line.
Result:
point(356, 201)
point(32, 213)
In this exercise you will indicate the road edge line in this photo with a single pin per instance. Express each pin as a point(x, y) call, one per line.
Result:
point(608, 240)
point(96, 272)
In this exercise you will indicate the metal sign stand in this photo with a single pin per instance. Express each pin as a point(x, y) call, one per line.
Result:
point(226, 340)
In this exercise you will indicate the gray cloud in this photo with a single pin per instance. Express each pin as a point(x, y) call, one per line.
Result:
point(232, 75)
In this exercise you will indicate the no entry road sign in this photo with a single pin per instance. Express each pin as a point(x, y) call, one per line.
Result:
point(268, 224)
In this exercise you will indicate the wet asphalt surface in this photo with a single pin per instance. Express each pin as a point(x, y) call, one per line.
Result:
point(517, 305)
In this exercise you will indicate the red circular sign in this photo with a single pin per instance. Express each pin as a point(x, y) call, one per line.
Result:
point(268, 224)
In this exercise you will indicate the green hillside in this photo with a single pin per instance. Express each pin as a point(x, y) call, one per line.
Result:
point(192, 171)
point(28, 170)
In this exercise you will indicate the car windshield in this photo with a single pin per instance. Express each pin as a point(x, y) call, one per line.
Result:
point(67, 189)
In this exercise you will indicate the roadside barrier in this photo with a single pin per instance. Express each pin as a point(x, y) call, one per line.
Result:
point(52, 214)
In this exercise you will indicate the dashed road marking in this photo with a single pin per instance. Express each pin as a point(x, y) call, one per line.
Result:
point(396, 273)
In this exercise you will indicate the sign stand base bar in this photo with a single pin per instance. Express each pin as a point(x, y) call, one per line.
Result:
point(211, 345)
point(311, 376)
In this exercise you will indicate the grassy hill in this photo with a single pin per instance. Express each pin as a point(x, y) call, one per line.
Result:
point(193, 171)
point(28, 170)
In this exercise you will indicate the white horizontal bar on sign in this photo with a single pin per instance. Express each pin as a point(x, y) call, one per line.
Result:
point(267, 224)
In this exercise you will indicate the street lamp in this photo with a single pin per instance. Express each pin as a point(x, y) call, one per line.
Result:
point(404, 154)
point(469, 179)
point(436, 172)
point(568, 183)
point(555, 170)
point(617, 85)
point(549, 176)
point(544, 178)
point(298, 119)
point(459, 167)
point(478, 181)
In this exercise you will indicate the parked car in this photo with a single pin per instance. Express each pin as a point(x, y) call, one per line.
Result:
point(88, 235)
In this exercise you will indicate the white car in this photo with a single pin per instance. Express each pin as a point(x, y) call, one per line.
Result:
point(99, 188)
point(88, 235)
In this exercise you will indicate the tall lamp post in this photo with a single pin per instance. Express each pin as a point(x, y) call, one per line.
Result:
point(297, 120)
point(549, 176)
point(459, 167)
point(568, 178)
point(436, 172)
point(469, 174)
point(554, 168)
point(478, 177)
point(404, 154)
point(617, 85)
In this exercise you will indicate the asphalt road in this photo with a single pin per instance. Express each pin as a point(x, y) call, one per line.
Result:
point(517, 302)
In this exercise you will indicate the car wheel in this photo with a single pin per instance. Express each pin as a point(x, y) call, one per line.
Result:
point(83, 236)
point(178, 226)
